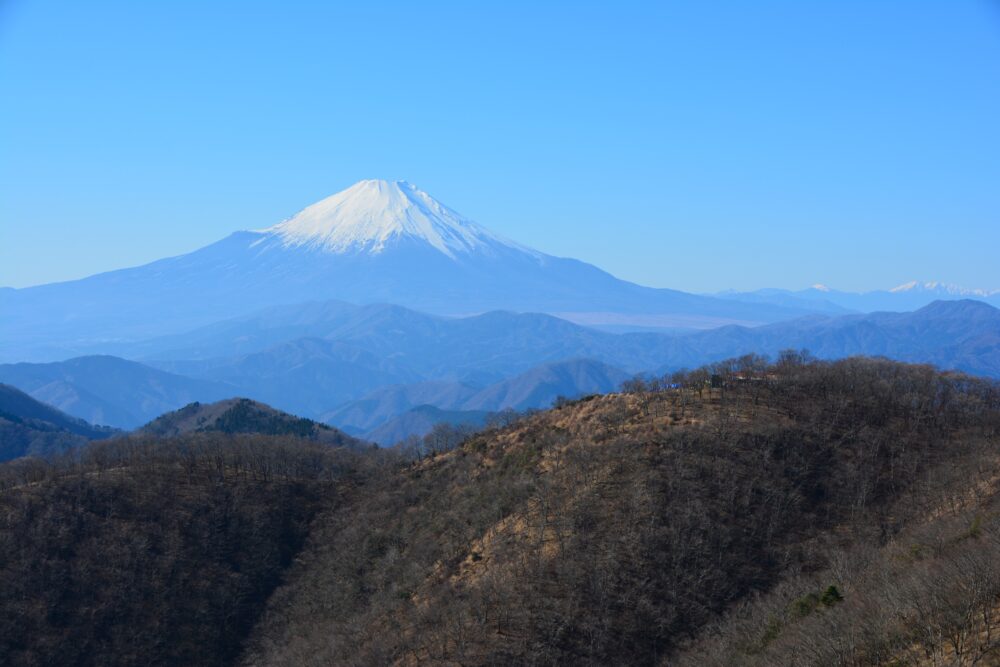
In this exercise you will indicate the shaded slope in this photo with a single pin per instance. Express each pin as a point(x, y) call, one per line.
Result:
point(17, 403)
point(31, 428)
point(927, 597)
point(108, 390)
point(152, 552)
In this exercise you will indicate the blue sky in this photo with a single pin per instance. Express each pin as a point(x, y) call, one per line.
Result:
point(694, 145)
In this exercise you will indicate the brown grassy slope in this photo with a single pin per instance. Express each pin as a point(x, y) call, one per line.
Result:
point(927, 596)
point(613, 530)
point(930, 596)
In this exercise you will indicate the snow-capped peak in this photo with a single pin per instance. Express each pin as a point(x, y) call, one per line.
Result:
point(820, 287)
point(905, 287)
point(371, 214)
point(942, 288)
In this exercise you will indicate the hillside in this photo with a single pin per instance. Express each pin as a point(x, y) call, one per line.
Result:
point(155, 552)
point(739, 514)
point(31, 428)
point(108, 390)
point(14, 402)
point(615, 529)
point(241, 415)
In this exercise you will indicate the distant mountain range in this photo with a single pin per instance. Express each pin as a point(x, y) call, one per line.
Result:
point(376, 242)
point(421, 420)
point(391, 413)
point(906, 297)
point(484, 347)
point(109, 390)
point(303, 375)
point(31, 428)
point(960, 335)
point(360, 367)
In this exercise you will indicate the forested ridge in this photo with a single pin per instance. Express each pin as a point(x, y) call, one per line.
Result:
point(241, 415)
point(744, 513)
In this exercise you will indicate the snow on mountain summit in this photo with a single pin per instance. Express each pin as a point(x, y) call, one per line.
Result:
point(370, 215)
point(944, 289)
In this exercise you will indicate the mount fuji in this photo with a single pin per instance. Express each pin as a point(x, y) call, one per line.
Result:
point(375, 242)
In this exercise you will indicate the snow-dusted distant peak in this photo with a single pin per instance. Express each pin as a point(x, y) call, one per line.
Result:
point(942, 288)
point(370, 215)
point(905, 287)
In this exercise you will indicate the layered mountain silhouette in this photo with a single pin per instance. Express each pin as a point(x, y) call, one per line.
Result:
point(484, 347)
point(960, 335)
point(358, 367)
point(303, 375)
point(109, 390)
point(377, 241)
point(31, 428)
point(906, 297)
point(421, 420)
point(392, 413)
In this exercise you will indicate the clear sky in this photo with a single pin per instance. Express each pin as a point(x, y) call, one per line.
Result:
point(697, 145)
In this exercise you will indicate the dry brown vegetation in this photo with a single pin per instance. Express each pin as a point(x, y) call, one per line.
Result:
point(615, 530)
point(154, 552)
point(793, 513)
